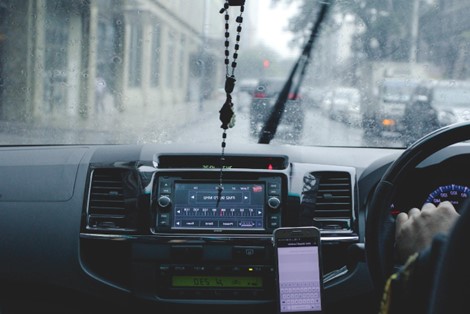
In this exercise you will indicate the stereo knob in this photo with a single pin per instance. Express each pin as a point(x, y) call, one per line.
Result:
point(164, 201)
point(274, 202)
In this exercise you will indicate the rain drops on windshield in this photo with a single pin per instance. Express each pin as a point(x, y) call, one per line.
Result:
point(146, 71)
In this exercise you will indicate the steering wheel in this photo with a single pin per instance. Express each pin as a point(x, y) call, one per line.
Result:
point(380, 225)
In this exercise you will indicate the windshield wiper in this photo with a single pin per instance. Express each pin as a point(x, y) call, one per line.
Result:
point(270, 127)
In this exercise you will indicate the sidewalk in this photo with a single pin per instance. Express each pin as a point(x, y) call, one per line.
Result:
point(132, 125)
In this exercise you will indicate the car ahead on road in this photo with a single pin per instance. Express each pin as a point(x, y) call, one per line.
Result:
point(246, 85)
point(265, 95)
point(385, 116)
point(435, 104)
point(451, 99)
point(420, 117)
point(344, 105)
point(312, 96)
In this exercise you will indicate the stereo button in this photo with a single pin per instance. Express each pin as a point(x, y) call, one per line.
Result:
point(164, 201)
point(274, 222)
point(164, 190)
point(274, 202)
point(165, 184)
point(163, 220)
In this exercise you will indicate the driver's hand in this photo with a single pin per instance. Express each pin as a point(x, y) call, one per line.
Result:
point(414, 231)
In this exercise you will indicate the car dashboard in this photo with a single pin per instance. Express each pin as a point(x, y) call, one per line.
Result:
point(161, 228)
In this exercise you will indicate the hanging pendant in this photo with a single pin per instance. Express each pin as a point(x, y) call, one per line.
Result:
point(226, 113)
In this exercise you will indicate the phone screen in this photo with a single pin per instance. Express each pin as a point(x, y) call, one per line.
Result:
point(299, 275)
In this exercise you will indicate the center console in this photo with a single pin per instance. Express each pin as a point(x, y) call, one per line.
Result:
point(239, 204)
point(218, 233)
point(175, 229)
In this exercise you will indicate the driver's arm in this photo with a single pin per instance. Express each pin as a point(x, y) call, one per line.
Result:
point(416, 229)
point(408, 290)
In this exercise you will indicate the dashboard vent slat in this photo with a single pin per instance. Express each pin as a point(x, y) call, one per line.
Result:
point(111, 205)
point(332, 207)
point(334, 189)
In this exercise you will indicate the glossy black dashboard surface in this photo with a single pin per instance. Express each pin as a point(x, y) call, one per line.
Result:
point(85, 224)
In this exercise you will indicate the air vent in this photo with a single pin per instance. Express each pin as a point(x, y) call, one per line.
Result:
point(331, 200)
point(113, 200)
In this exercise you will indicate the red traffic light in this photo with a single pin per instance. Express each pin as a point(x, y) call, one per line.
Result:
point(265, 63)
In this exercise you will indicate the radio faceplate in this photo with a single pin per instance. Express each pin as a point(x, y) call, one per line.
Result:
point(232, 282)
point(247, 203)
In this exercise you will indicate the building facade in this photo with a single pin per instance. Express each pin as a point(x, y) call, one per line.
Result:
point(140, 51)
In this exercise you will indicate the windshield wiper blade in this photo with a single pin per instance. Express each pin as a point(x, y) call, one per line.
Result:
point(270, 127)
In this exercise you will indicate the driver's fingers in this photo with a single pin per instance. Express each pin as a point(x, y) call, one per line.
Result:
point(428, 207)
point(414, 212)
point(447, 206)
point(401, 218)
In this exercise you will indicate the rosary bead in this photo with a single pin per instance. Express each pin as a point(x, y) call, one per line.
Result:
point(226, 5)
point(239, 28)
point(237, 46)
point(227, 34)
point(227, 53)
point(227, 43)
point(224, 135)
point(238, 38)
point(242, 8)
point(226, 17)
point(229, 84)
point(234, 64)
point(226, 61)
point(239, 19)
point(235, 55)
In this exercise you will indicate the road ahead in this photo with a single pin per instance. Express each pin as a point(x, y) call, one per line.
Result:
point(183, 123)
point(318, 130)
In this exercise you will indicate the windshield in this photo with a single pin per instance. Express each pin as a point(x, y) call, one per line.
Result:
point(452, 97)
point(347, 94)
point(149, 71)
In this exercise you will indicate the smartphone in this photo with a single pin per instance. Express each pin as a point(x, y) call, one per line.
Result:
point(299, 277)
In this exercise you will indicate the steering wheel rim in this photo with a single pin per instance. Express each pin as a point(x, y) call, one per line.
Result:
point(380, 225)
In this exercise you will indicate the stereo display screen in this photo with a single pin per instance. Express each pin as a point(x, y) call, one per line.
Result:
point(203, 206)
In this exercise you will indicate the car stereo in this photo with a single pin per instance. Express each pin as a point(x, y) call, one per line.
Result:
point(232, 282)
point(242, 204)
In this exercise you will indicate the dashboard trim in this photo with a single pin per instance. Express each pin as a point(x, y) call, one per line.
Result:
point(203, 237)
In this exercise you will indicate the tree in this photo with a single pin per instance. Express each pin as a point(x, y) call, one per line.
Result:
point(384, 24)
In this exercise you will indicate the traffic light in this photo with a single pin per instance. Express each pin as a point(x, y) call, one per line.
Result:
point(265, 63)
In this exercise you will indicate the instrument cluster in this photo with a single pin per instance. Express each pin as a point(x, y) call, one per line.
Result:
point(445, 181)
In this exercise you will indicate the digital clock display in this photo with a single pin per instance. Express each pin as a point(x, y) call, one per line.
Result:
point(217, 282)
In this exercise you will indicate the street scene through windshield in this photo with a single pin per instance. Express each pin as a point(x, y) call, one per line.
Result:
point(158, 156)
point(139, 71)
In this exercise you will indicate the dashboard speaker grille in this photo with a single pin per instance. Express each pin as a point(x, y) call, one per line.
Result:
point(112, 200)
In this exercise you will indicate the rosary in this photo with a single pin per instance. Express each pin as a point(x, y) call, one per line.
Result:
point(227, 115)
